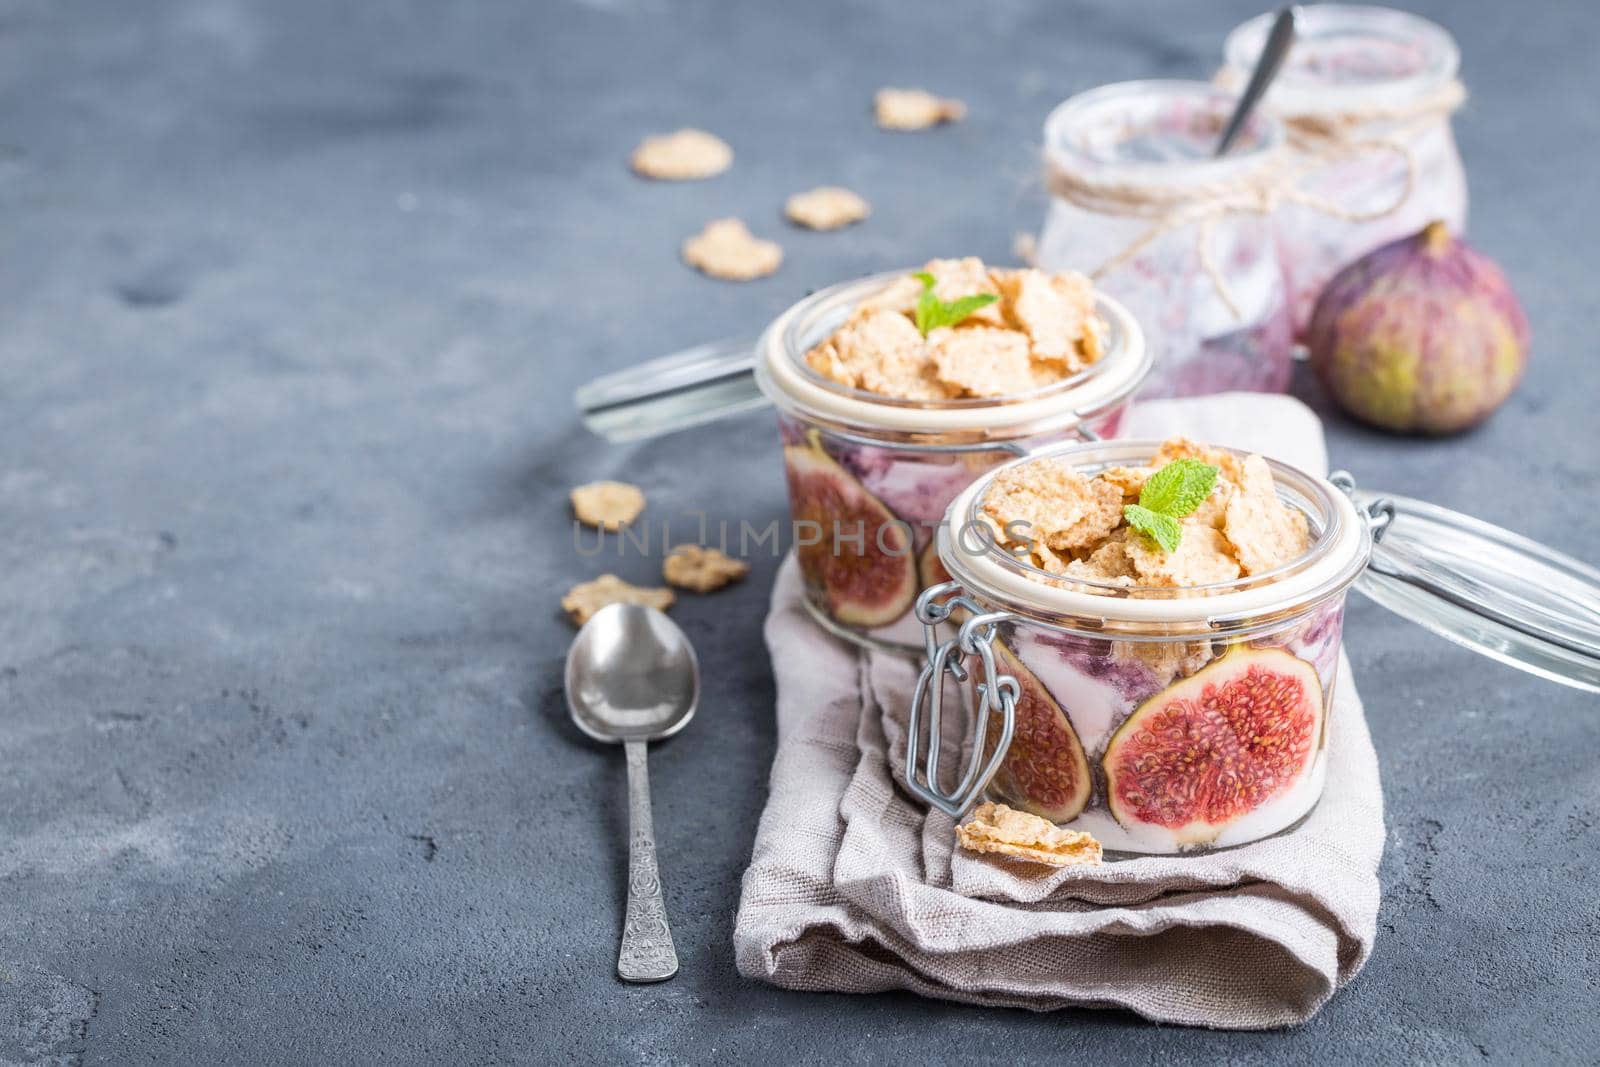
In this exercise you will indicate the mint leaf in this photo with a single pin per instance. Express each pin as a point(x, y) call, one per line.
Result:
point(932, 313)
point(1170, 493)
point(1179, 487)
point(1164, 530)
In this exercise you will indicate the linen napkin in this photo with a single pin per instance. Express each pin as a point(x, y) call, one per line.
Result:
point(854, 886)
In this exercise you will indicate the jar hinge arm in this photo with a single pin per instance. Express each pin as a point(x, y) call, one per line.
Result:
point(996, 694)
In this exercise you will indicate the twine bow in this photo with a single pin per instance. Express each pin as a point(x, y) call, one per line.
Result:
point(1317, 140)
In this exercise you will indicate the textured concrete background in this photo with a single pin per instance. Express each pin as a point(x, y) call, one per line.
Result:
point(292, 299)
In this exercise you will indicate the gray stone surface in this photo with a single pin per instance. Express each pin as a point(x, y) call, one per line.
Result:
point(292, 299)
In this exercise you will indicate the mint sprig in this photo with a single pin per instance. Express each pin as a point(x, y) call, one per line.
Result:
point(1168, 495)
point(933, 313)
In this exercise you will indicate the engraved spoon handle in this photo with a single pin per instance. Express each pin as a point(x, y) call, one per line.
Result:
point(647, 953)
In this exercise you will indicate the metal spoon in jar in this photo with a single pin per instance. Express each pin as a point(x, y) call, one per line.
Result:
point(1279, 39)
point(632, 677)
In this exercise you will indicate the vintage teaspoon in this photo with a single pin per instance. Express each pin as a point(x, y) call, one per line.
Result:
point(632, 677)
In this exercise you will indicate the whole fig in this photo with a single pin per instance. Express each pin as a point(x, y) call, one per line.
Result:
point(1422, 335)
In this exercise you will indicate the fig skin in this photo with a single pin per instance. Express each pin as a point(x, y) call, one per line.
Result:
point(930, 568)
point(1420, 336)
point(1043, 733)
point(1197, 756)
point(868, 587)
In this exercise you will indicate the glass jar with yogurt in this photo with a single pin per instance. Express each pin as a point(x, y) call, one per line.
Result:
point(1178, 718)
point(1183, 240)
point(1365, 96)
point(870, 476)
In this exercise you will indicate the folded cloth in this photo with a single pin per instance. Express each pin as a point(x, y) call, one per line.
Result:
point(856, 887)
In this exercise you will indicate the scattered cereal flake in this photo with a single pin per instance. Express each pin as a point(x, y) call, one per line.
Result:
point(827, 207)
point(1227, 462)
point(701, 569)
point(1202, 558)
point(1130, 480)
point(682, 156)
point(1002, 830)
point(1054, 310)
point(586, 598)
point(608, 505)
point(982, 360)
point(915, 109)
point(1265, 531)
point(727, 249)
point(1050, 502)
point(1166, 659)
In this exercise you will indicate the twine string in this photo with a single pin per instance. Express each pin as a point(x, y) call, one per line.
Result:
point(1318, 140)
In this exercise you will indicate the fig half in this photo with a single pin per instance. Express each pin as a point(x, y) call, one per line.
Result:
point(1044, 770)
point(855, 551)
point(1217, 745)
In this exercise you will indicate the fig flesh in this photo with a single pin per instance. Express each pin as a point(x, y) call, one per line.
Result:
point(1045, 770)
point(1217, 745)
point(852, 550)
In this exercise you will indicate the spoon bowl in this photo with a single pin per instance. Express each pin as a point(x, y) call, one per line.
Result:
point(631, 676)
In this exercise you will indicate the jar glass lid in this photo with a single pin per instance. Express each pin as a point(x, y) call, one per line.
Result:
point(1483, 587)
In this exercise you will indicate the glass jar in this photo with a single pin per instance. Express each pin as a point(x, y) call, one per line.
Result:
point(1182, 239)
point(1135, 714)
point(870, 476)
point(1365, 95)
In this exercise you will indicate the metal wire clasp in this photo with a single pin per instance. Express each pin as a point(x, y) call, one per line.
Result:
point(1378, 513)
point(975, 637)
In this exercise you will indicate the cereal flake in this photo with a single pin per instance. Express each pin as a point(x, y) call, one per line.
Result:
point(608, 505)
point(1264, 531)
point(682, 156)
point(1130, 480)
point(701, 569)
point(878, 350)
point(915, 109)
point(998, 829)
point(1049, 502)
point(982, 360)
point(727, 249)
point(827, 207)
point(1054, 310)
point(1202, 558)
point(586, 598)
point(1225, 461)
point(1109, 564)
